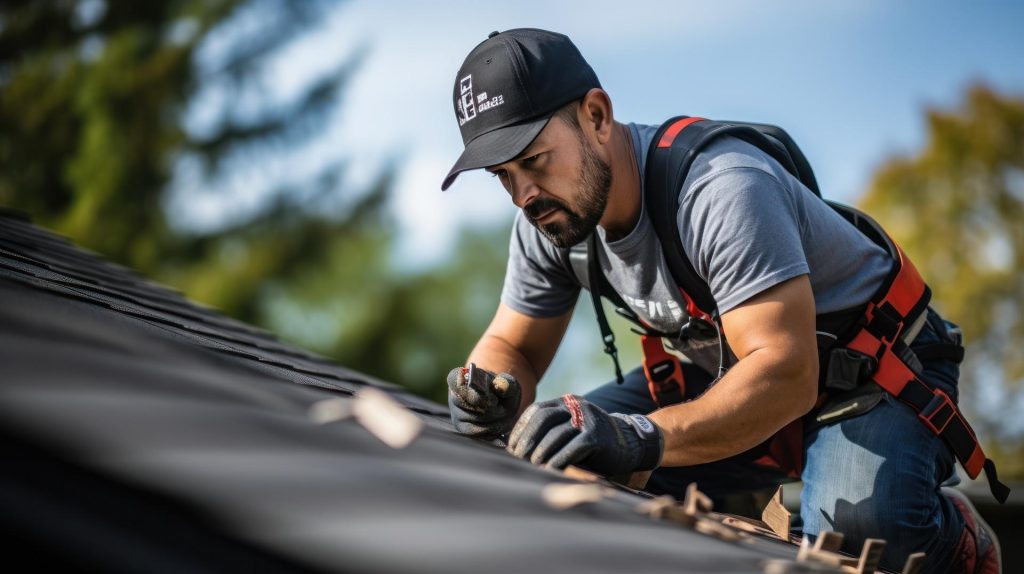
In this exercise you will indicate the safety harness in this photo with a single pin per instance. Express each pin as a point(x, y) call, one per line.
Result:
point(870, 343)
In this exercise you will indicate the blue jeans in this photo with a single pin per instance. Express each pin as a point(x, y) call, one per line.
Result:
point(875, 475)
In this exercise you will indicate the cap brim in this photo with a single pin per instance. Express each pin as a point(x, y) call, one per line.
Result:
point(496, 147)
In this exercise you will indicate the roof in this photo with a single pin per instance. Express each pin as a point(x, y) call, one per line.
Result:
point(149, 432)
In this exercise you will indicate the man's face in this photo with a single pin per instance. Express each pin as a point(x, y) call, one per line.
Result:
point(559, 182)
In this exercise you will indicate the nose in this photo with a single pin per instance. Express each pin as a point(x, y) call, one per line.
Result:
point(524, 190)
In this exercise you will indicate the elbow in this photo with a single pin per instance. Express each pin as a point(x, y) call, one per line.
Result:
point(805, 386)
point(798, 374)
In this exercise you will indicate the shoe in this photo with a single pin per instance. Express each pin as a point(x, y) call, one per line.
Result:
point(978, 550)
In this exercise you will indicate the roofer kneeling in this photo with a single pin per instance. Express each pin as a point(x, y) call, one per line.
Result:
point(785, 337)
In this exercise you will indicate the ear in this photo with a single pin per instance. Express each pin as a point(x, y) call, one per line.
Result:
point(595, 115)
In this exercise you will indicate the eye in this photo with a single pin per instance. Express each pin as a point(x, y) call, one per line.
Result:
point(499, 174)
point(531, 159)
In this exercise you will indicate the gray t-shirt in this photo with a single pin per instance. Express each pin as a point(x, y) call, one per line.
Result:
point(746, 225)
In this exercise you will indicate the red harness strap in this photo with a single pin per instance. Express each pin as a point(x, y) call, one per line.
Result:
point(899, 302)
point(665, 379)
point(887, 317)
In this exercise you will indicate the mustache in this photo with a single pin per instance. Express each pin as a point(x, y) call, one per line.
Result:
point(541, 206)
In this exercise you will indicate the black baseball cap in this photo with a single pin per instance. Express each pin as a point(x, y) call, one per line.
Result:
point(508, 88)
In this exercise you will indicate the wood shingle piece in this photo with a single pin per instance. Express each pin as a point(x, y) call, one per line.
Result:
point(330, 410)
point(914, 563)
point(777, 517)
point(870, 556)
point(562, 496)
point(385, 418)
point(828, 541)
point(666, 508)
point(696, 502)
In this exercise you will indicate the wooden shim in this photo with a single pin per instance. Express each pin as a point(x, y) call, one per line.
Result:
point(914, 563)
point(828, 558)
point(809, 554)
point(777, 517)
point(564, 496)
point(745, 524)
point(805, 548)
point(580, 474)
point(666, 508)
point(870, 555)
point(330, 410)
point(385, 418)
point(696, 502)
point(777, 566)
point(634, 480)
point(717, 529)
point(829, 541)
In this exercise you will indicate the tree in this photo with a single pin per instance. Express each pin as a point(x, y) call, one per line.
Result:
point(957, 208)
point(93, 99)
point(103, 102)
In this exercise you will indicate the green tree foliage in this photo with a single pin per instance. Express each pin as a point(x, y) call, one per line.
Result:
point(957, 208)
point(98, 108)
point(92, 102)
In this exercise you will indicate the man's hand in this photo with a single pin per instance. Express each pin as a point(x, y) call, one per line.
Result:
point(482, 404)
point(570, 430)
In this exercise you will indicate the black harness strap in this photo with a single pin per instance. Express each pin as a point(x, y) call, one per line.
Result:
point(597, 282)
point(669, 160)
point(676, 144)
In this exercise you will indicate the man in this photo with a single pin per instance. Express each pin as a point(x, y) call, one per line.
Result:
point(775, 256)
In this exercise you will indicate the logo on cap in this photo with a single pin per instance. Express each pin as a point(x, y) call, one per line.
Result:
point(466, 105)
point(467, 109)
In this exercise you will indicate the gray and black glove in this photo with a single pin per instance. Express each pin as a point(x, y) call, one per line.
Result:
point(571, 430)
point(483, 405)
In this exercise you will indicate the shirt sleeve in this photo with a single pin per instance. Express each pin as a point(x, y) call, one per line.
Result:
point(538, 280)
point(741, 229)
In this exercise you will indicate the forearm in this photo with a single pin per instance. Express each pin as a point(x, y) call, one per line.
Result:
point(758, 396)
point(499, 356)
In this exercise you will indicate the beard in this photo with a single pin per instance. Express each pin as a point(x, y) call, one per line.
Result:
point(591, 200)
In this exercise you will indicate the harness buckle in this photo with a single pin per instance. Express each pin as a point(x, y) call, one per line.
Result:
point(886, 323)
point(938, 413)
point(847, 369)
point(697, 328)
point(663, 370)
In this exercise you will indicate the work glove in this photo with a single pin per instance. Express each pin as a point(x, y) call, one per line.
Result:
point(571, 430)
point(483, 405)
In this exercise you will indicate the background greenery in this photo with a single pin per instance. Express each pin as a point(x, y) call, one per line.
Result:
point(95, 101)
point(97, 108)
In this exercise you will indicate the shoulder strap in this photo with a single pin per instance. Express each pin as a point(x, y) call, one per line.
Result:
point(676, 143)
point(668, 162)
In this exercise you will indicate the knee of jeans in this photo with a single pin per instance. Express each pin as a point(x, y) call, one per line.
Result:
point(875, 494)
point(906, 522)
